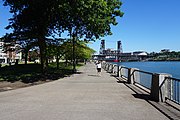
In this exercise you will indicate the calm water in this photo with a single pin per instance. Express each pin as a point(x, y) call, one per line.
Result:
point(172, 68)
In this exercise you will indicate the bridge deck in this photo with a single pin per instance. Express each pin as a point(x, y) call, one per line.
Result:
point(83, 96)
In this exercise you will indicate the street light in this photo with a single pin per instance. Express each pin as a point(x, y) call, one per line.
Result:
point(74, 62)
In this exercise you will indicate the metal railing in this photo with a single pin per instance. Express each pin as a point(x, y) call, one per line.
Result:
point(138, 76)
point(160, 86)
point(142, 78)
point(123, 72)
point(173, 89)
point(112, 68)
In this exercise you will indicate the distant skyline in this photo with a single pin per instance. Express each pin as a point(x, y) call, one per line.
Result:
point(147, 25)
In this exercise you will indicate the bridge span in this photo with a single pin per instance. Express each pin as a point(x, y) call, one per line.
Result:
point(120, 57)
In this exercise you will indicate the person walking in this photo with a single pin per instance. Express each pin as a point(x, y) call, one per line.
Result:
point(98, 65)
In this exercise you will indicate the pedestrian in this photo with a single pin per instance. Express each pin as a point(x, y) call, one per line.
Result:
point(98, 65)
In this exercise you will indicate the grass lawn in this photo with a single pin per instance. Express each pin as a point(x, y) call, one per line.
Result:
point(32, 72)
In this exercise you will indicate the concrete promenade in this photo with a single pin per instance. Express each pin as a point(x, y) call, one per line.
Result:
point(83, 96)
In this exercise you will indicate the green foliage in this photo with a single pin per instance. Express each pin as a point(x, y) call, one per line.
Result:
point(80, 17)
point(82, 51)
point(38, 19)
point(91, 18)
point(166, 56)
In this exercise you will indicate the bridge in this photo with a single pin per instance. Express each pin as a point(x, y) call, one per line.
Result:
point(118, 55)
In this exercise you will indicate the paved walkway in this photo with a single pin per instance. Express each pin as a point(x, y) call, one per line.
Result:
point(83, 96)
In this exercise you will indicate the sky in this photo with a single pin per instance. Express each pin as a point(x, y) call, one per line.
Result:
point(147, 25)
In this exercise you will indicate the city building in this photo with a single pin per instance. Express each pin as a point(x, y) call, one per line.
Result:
point(140, 53)
point(9, 52)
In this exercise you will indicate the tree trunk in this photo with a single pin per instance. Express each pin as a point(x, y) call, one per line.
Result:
point(47, 61)
point(42, 46)
point(26, 56)
point(66, 62)
point(57, 60)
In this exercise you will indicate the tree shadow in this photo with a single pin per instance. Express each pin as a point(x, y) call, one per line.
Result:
point(31, 73)
point(121, 81)
point(162, 107)
point(142, 96)
point(94, 75)
point(140, 93)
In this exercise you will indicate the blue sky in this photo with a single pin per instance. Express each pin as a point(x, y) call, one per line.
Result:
point(148, 25)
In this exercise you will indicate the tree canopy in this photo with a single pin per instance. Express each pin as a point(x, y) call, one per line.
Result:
point(80, 17)
point(38, 19)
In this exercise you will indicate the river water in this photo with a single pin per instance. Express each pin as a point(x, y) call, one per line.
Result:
point(172, 68)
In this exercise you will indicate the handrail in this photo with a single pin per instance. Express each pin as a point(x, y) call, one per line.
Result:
point(120, 69)
point(173, 78)
point(173, 92)
point(140, 71)
point(166, 90)
point(150, 73)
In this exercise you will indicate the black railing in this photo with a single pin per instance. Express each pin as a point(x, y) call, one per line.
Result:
point(160, 86)
point(173, 89)
point(142, 78)
point(123, 72)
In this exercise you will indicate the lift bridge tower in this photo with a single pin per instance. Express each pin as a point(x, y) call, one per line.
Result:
point(119, 51)
point(119, 47)
point(102, 47)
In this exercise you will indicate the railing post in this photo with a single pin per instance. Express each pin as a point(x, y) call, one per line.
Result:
point(117, 70)
point(132, 75)
point(111, 66)
point(113, 71)
point(159, 90)
point(155, 87)
point(130, 70)
point(108, 67)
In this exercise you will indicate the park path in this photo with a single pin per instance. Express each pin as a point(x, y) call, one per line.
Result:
point(83, 96)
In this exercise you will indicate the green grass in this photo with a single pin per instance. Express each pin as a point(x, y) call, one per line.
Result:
point(32, 72)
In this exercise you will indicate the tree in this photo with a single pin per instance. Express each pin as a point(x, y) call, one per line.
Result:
point(82, 51)
point(90, 19)
point(55, 48)
point(32, 17)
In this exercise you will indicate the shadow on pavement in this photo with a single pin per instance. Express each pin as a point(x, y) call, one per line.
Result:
point(164, 108)
point(94, 75)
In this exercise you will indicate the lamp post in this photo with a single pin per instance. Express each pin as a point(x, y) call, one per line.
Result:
point(74, 60)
